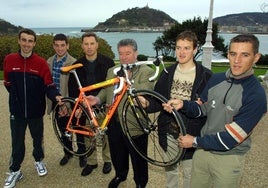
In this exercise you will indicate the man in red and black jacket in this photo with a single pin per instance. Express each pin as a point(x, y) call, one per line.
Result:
point(28, 80)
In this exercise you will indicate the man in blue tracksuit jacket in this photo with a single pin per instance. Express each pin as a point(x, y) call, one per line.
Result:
point(233, 102)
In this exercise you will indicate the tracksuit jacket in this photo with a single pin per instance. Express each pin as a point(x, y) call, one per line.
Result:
point(233, 107)
point(192, 125)
point(28, 80)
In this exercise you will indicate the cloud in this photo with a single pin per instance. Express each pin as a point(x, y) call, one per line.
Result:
point(67, 13)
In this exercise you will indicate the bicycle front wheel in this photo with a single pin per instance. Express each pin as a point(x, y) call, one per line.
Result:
point(156, 127)
point(74, 143)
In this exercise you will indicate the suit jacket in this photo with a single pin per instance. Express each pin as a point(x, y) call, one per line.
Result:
point(64, 77)
point(141, 75)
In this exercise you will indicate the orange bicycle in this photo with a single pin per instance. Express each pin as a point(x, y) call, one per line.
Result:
point(82, 131)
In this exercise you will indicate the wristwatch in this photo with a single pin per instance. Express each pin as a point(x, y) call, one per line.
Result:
point(194, 145)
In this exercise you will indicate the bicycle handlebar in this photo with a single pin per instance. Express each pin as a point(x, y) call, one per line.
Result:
point(120, 71)
point(123, 71)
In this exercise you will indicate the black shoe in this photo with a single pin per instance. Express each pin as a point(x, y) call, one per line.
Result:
point(115, 182)
point(107, 167)
point(82, 162)
point(88, 169)
point(65, 159)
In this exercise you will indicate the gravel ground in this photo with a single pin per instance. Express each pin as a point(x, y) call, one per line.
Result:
point(255, 175)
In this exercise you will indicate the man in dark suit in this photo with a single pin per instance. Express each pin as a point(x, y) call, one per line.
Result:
point(120, 148)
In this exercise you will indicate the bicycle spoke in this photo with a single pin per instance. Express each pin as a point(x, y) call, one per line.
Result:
point(139, 122)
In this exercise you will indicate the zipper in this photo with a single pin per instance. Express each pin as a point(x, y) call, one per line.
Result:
point(225, 96)
point(25, 92)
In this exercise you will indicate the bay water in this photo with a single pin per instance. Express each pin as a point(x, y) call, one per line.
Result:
point(144, 40)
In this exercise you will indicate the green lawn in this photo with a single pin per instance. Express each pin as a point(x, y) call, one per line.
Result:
point(257, 70)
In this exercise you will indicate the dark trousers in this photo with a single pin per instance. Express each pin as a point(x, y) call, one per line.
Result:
point(18, 127)
point(62, 122)
point(120, 150)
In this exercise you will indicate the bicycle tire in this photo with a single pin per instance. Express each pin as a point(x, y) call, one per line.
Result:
point(74, 143)
point(138, 121)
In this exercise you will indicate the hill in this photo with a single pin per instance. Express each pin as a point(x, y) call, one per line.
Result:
point(243, 19)
point(148, 20)
point(137, 19)
point(249, 22)
point(8, 28)
point(151, 20)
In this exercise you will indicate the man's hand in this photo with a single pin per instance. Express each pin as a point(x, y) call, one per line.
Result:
point(143, 102)
point(92, 100)
point(173, 104)
point(58, 99)
point(186, 141)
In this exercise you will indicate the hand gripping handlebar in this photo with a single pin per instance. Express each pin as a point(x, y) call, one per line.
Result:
point(122, 70)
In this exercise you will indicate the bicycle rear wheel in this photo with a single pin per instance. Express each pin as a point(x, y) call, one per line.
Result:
point(74, 143)
point(160, 127)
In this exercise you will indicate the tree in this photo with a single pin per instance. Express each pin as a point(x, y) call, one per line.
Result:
point(166, 43)
point(9, 44)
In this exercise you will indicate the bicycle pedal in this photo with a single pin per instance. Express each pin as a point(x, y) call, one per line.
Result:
point(68, 135)
point(146, 130)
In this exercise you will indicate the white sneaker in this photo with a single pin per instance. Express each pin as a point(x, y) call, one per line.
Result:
point(41, 168)
point(12, 178)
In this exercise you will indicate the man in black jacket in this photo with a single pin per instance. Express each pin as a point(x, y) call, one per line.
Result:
point(184, 80)
point(94, 70)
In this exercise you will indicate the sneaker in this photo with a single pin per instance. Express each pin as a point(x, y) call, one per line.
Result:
point(41, 168)
point(12, 178)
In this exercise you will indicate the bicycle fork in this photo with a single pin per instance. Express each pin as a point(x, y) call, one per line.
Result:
point(140, 114)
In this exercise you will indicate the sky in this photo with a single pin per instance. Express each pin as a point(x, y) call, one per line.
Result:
point(87, 13)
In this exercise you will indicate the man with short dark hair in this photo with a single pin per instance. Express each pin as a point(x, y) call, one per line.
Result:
point(28, 80)
point(234, 102)
point(94, 70)
point(60, 59)
point(185, 80)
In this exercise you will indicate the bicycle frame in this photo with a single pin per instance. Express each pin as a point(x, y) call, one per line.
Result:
point(110, 113)
point(124, 85)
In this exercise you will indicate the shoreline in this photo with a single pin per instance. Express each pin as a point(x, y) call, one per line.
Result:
point(150, 30)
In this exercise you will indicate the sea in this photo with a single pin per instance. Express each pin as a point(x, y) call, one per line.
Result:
point(144, 40)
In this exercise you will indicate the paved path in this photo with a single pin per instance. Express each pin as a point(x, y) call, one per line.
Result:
point(255, 176)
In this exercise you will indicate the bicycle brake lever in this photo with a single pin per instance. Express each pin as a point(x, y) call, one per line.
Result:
point(164, 67)
point(159, 60)
point(152, 78)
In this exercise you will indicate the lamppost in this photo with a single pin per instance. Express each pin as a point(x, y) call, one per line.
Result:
point(208, 47)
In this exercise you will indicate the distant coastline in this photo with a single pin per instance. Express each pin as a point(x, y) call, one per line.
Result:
point(152, 30)
point(133, 30)
point(255, 33)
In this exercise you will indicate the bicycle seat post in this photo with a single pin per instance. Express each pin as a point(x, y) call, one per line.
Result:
point(76, 78)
